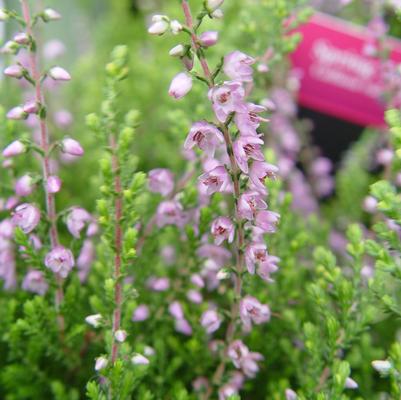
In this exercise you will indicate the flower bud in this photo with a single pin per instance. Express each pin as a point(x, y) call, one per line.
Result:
point(10, 47)
point(26, 216)
point(72, 147)
point(101, 363)
point(4, 15)
point(53, 184)
point(177, 51)
point(382, 366)
point(17, 113)
point(59, 74)
point(94, 320)
point(24, 186)
point(209, 38)
point(175, 27)
point(14, 149)
point(14, 71)
point(31, 107)
point(213, 4)
point(217, 14)
point(21, 38)
point(50, 15)
point(350, 384)
point(160, 24)
point(180, 85)
point(120, 335)
point(139, 359)
point(290, 394)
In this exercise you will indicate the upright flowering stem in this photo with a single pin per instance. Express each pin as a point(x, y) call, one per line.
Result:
point(44, 144)
point(118, 206)
point(235, 173)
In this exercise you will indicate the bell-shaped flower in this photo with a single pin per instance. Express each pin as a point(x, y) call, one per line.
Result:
point(215, 180)
point(237, 66)
point(222, 229)
point(226, 99)
point(161, 180)
point(204, 135)
point(245, 148)
point(26, 216)
point(60, 260)
point(249, 203)
point(180, 85)
point(210, 320)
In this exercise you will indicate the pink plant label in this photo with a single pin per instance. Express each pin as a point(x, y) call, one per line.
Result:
point(337, 77)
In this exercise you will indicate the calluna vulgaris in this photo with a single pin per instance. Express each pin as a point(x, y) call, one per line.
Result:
point(240, 264)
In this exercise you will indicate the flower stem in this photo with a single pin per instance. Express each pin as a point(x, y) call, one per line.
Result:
point(44, 144)
point(240, 239)
point(118, 237)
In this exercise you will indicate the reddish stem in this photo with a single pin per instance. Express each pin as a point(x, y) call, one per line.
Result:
point(118, 238)
point(44, 144)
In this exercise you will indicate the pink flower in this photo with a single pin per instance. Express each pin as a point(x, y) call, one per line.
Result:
point(182, 326)
point(14, 71)
point(206, 136)
point(209, 38)
point(180, 85)
point(259, 171)
point(197, 280)
point(227, 391)
point(76, 221)
point(219, 255)
point(251, 310)
point(31, 107)
point(176, 310)
point(194, 296)
point(26, 216)
point(35, 282)
point(120, 335)
point(267, 220)
point(85, 259)
point(290, 394)
point(210, 320)
point(14, 149)
point(139, 359)
point(6, 229)
point(321, 166)
point(53, 49)
point(60, 260)
point(63, 119)
point(249, 203)
point(243, 359)
point(59, 74)
point(245, 148)
point(158, 284)
point(141, 313)
point(21, 38)
point(17, 113)
point(53, 184)
point(169, 212)
point(24, 186)
point(213, 5)
point(237, 66)
point(226, 99)
point(161, 180)
point(222, 229)
point(51, 15)
point(159, 26)
point(72, 147)
point(247, 122)
point(255, 254)
point(216, 180)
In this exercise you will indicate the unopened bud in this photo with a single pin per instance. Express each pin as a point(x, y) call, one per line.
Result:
point(177, 51)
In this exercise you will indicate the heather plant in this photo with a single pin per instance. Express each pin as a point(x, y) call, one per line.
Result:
point(194, 279)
